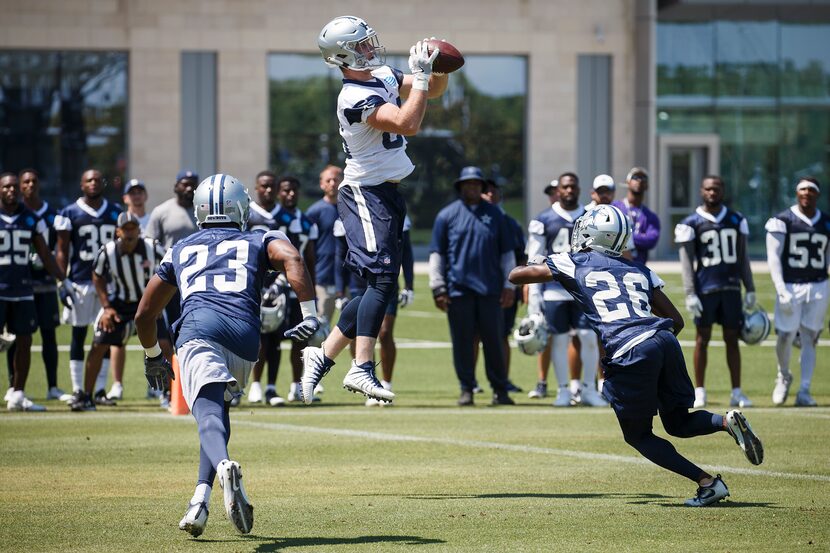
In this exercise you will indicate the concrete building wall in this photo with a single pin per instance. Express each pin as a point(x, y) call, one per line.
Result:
point(155, 32)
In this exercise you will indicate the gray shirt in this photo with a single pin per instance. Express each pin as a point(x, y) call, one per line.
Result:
point(170, 222)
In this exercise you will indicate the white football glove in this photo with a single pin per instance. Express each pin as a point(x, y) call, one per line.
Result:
point(340, 303)
point(694, 306)
point(785, 302)
point(406, 297)
point(534, 301)
point(35, 261)
point(66, 292)
point(749, 301)
point(420, 61)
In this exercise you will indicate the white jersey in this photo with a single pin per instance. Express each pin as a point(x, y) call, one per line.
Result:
point(372, 156)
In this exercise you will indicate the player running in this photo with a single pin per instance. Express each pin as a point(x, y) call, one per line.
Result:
point(218, 271)
point(637, 324)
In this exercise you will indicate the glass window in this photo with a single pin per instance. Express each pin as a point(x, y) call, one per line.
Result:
point(686, 61)
point(805, 62)
point(479, 120)
point(62, 112)
point(746, 58)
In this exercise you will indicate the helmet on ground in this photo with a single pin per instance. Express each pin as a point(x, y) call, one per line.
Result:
point(350, 42)
point(532, 335)
point(604, 229)
point(322, 333)
point(272, 310)
point(221, 199)
point(756, 326)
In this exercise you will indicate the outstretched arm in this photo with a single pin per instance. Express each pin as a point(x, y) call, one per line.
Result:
point(530, 274)
point(285, 258)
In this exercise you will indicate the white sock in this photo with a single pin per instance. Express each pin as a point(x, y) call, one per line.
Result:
point(271, 387)
point(76, 374)
point(783, 349)
point(202, 494)
point(736, 391)
point(559, 357)
point(589, 353)
point(256, 386)
point(808, 357)
point(386, 384)
point(699, 391)
point(103, 374)
point(600, 384)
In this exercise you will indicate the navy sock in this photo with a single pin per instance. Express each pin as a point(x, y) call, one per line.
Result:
point(373, 306)
point(50, 355)
point(683, 424)
point(213, 418)
point(348, 318)
point(638, 434)
point(76, 347)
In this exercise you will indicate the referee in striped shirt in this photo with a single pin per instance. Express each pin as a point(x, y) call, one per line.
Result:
point(128, 262)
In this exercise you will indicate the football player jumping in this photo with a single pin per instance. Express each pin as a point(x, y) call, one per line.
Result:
point(373, 124)
point(637, 324)
point(218, 271)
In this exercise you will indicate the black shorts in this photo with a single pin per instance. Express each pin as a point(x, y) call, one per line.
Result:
point(19, 317)
point(510, 316)
point(650, 376)
point(46, 306)
point(123, 329)
point(723, 307)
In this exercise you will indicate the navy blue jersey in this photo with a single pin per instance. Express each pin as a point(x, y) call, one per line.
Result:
point(519, 243)
point(472, 239)
point(550, 233)
point(323, 214)
point(615, 295)
point(16, 233)
point(804, 258)
point(297, 226)
point(715, 238)
point(89, 229)
point(219, 273)
point(41, 279)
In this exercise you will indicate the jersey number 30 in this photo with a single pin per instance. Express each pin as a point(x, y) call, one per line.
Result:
point(219, 282)
point(635, 285)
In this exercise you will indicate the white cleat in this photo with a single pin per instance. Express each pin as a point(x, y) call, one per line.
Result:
point(361, 380)
point(255, 393)
point(804, 399)
point(116, 392)
point(19, 402)
point(739, 400)
point(782, 388)
point(592, 398)
point(563, 397)
point(56, 393)
point(739, 429)
point(709, 494)
point(8, 395)
point(195, 519)
point(239, 510)
point(700, 398)
point(319, 390)
point(540, 391)
point(315, 367)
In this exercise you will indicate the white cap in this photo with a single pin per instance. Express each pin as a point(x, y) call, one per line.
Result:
point(603, 181)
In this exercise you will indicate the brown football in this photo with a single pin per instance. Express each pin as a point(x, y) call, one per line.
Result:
point(449, 58)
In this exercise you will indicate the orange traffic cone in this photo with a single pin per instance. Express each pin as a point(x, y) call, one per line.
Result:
point(178, 406)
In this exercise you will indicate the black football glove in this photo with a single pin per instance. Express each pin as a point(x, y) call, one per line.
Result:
point(159, 373)
point(303, 331)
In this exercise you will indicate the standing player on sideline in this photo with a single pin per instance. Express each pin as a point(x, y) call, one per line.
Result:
point(373, 125)
point(219, 271)
point(83, 227)
point(20, 230)
point(550, 233)
point(128, 262)
point(637, 324)
point(714, 261)
point(43, 285)
point(797, 249)
point(323, 213)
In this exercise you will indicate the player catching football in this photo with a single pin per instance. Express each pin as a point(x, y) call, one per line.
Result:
point(373, 123)
point(637, 323)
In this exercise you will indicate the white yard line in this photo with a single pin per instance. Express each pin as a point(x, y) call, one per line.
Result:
point(472, 444)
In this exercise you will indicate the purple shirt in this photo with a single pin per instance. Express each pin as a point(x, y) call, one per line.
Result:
point(646, 228)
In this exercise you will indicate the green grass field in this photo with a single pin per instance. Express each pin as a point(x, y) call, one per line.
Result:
point(422, 475)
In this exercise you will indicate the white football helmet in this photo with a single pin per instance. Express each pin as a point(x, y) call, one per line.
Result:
point(322, 333)
point(756, 326)
point(272, 310)
point(221, 199)
point(350, 42)
point(604, 229)
point(532, 335)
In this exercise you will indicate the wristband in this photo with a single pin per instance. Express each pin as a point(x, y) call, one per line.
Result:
point(439, 291)
point(309, 308)
point(420, 82)
point(153, 351)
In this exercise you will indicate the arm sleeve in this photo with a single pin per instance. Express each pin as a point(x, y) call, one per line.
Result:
point(535, 239)
point(408, 262)
point(687, 253)
point(99, 265)
point(647, 232)
point(436, 270)
point(508, 262)
point(746, 270)
point(775, 247)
